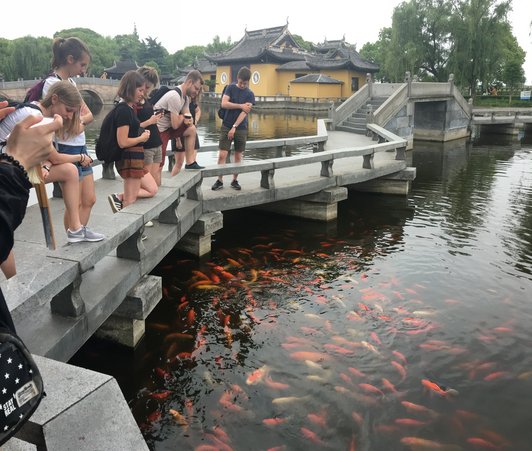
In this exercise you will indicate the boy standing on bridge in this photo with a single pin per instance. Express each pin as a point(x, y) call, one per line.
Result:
point(237, 102)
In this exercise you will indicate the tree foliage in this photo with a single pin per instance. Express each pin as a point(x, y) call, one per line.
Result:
point(433, 38)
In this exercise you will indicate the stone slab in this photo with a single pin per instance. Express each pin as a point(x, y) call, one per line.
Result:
point(142, 299)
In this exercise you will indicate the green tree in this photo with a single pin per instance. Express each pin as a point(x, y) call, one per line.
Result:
point(376, 51)
point(30, 57)
point(305, 45)
point(420, 40)
point(479, 30)
point(217, 45)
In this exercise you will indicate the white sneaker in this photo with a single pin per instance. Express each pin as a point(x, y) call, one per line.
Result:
point(83, 234)
point(149, 224)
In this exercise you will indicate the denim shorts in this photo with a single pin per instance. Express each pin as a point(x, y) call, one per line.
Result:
point(76, 150)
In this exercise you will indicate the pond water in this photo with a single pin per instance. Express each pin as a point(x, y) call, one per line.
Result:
point(405, 324)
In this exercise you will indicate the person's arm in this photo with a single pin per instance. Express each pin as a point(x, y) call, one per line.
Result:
point(60, 158)
point(198, 113)
point(124, 141)
point(238, 121)
point(228, 105)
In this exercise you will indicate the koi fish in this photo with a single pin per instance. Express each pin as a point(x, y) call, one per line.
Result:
point(356, 372)
point(274, 421)
point(388, 385)
point(338, 349)
point(179, 418)
point(496, 375)
point(410, 422)
point(481, 443)
point(371, 389)
point(275, 385)
point(400, 369)
point(258, 375)
point(440, 390)
point(309, 355)
point(400, 356)
point(319, 420)
point(288, 399)
point(421, 444)
point(312, 436)
point(417, 408)
point(161, 395)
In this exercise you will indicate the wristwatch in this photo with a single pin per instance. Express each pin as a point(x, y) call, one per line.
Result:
point(234, 126)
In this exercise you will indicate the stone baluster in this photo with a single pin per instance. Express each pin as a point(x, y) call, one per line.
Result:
point(408, 80)
point(369, 81)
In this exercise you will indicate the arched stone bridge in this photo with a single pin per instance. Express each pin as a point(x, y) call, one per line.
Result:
point(95, 91)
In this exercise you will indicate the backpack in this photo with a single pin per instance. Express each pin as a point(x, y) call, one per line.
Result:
point(158, 93)
point(35, 92)
point(222, 111)
point(22, 385)
point(107, 148)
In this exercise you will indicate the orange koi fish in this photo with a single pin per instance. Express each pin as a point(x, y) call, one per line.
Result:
point(400, 356)
point(319, 420)
point(410, 422)
point(375, 338)
point(161, 395)
point(233, 262)
point(312, 436)
point(274, 421)
point(371, 389)
point(191, 317)
point(353, 443)
point(417, 443)
point(309, 355)
point(275, 385)
point(440, 390)
point(482, 443)
point(496, 375)
point(388, 385)
point(179, 418)
point(400, 369)
point(417, 408)
point(338, 349)
point(356, 372)
point(358, 418)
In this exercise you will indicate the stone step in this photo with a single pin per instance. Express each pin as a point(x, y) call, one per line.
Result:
point(357, 130)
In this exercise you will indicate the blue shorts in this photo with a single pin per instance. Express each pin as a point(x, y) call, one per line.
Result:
point(76, 150)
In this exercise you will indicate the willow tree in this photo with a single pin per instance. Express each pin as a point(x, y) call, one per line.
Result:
point(29, 58)
point(420, 40)
point(480, 27)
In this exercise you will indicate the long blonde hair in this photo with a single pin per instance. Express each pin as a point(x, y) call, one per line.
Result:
point(68, 95)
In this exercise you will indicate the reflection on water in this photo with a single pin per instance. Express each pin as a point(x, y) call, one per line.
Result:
point(403, 325)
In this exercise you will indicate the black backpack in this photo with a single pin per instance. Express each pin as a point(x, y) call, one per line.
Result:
point(222, 111)
point(35, 92)
point(107, 148)
point(158, 93)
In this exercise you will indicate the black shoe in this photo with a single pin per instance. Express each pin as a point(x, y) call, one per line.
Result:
point(236, 185)
point(194, 165)
point(217, 185)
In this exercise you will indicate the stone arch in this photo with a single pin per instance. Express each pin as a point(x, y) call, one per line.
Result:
point(93, 100)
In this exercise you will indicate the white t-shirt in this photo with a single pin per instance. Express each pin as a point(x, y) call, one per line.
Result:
point(78, 140)
point(8, 123)
point(172, 102)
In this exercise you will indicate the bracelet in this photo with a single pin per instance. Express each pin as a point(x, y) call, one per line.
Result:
point(16, 163)
point(46, 167)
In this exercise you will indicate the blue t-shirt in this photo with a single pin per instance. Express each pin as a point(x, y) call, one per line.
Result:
point(237, 95)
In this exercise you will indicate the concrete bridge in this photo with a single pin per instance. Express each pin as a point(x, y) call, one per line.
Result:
point(95, 91)
point(422, 110)
point(59, 298)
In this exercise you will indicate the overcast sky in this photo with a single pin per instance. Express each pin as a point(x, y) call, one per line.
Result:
point(179, 24)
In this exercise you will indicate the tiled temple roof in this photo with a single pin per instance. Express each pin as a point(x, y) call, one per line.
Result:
point(317, 78)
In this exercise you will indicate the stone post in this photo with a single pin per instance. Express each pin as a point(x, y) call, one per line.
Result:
point(451, 84)
point(369, 81)
point(408, 80)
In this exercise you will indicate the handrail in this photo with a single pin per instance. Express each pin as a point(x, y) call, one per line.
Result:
point(391, 105)
point(353, 103)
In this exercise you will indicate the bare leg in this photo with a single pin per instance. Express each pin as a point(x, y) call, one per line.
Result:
point(67, 175)
point(190, 144)
point(131, 191)
point(222, 158)
point(88, 198)
point(178, 164)
point(148, 186)
point(155, 172)
point(8, 265)
point(238, 159)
